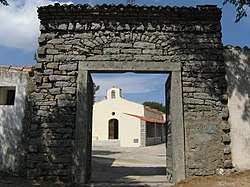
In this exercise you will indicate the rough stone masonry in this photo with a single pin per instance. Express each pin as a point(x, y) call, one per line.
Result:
point(105, 36)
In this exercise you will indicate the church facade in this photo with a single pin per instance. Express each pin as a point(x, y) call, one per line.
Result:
point(120, 122)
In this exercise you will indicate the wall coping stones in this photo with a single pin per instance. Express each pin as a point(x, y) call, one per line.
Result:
point(121, 17)
point(112, 8)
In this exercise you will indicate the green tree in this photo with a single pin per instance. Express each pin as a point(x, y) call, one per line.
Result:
point(95, 89)
point(4, 2)
point(155, 105)
point(241, 7)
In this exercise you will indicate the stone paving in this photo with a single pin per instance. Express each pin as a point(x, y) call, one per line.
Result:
point(118, 166)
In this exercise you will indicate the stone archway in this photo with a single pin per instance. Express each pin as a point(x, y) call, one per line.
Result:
point(79, 39)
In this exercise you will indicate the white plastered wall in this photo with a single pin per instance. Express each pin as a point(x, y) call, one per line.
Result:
point(11, 122)
point(238, 77)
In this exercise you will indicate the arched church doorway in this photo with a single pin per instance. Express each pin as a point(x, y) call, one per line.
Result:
point(113, 129)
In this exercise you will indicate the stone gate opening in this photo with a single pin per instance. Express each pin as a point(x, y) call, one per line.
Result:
point(79, 39)
point(175, 148)
point(141, 129)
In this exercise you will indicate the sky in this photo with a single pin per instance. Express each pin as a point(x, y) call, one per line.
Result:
point(19, 31)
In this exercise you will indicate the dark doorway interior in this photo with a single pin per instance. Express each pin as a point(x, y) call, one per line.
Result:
point(113, 129)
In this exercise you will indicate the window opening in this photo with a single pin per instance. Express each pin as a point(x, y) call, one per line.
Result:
point(113, 94)
point(7, 95)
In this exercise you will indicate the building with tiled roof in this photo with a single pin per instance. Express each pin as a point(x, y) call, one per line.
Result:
point(120, 122)
point(15, 82)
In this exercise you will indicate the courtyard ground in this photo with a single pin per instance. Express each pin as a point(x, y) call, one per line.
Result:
point(113, 166)
point(143, 166)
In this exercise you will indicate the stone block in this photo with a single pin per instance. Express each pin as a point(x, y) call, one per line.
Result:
point(143, 57)
point(83, 36)
point(38, 79)
point(202, 96)
point(46, 58)
point(69, 90)
point(45, 85)
point(52, 125)
point(89, 43)
point(225, 127)
point(82, 50)
point(131, 51)
point(44, 103)
point(41, 51)
point(55, 91)
point(71, 26)
point(62, 84)
point(36, 96)
point(228, 164)
point(144, 45)
point(68, 67)
point(60, 72)
point(73, 42)
point(62, 26)
point(45, 79)
point(225, 113)
point(226, 138)
point(192, 89)
point(38, 66)
point(52, 51)
point(43, 113)
point(122, 57)
point(64, 158)
point(121, 45)
point(111, 50)
point(63, 97)
point(59, 78)
point(56, 41)
point(48, 72)
point(193, 101)
point(52, 65)
point(33, 149)
point(227, 150)
point(100, 57)
point(69, 58)
point(66, 103)
point(63, 47)
point(64, 130)
point(152, 51)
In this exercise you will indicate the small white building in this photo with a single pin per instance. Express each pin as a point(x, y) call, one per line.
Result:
point(120, 122)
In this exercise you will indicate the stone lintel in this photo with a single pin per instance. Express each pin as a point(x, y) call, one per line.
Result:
point(134, 66)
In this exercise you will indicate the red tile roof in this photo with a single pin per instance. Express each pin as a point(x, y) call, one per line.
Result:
point(18, 68)
point(152, 120)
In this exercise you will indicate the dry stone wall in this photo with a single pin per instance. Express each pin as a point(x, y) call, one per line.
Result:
point(132, 35)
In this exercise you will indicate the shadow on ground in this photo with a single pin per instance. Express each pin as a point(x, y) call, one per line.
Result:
point(112, 172)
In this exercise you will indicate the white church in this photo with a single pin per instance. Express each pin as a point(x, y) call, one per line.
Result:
point(120, 122)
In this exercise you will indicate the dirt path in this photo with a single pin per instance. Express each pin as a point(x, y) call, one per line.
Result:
point(241, 179)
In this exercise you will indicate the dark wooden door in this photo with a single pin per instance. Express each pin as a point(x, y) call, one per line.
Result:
point(113, 129)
